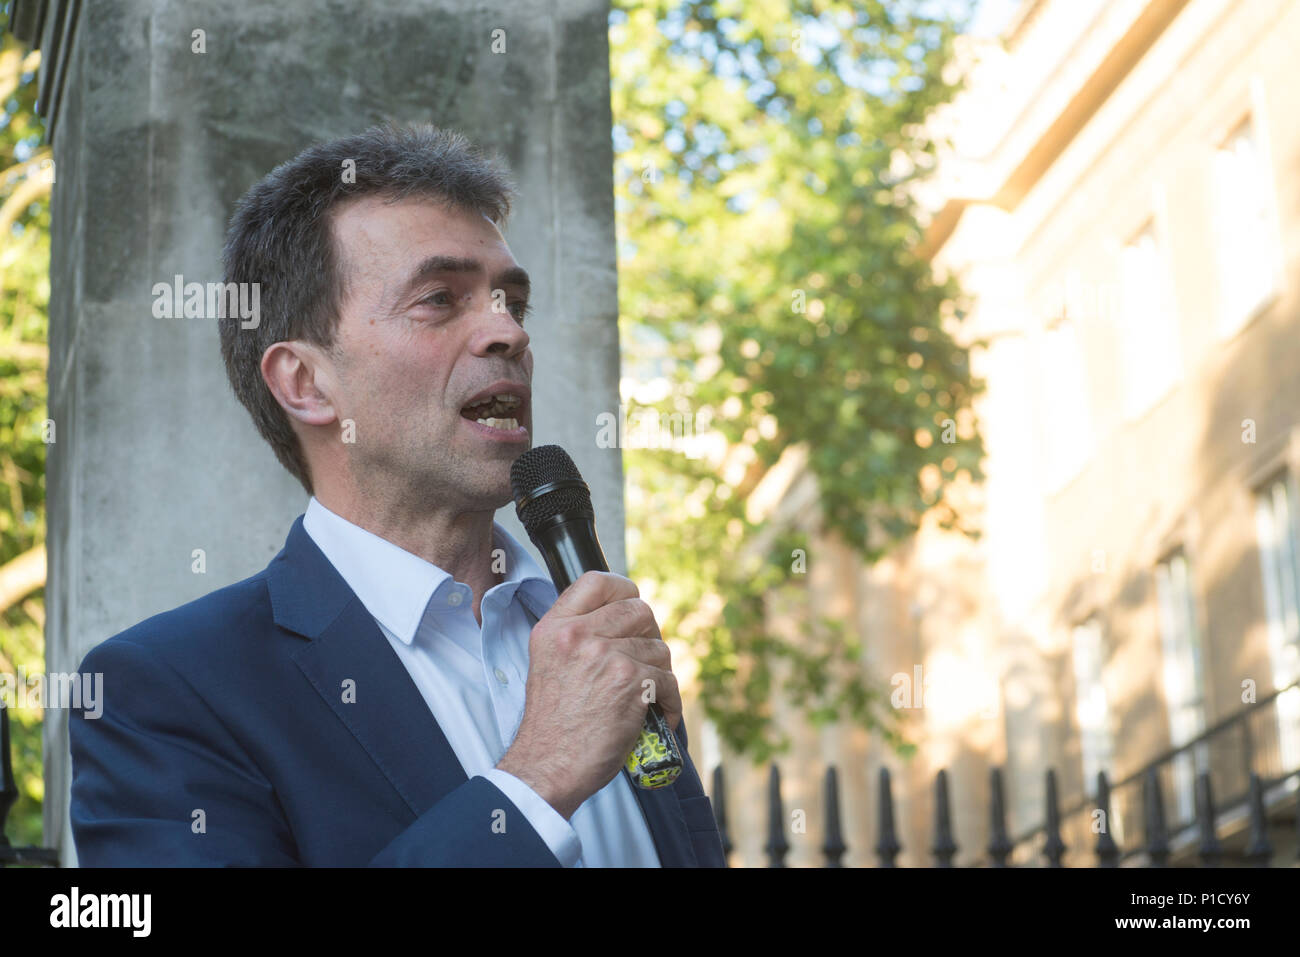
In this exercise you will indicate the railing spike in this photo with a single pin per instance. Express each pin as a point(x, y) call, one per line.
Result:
point(1153, 808)
point(1107, 850)
point(720, 811)
point(887, 846)
point(9, 854)
point(1053, 846)
point(999, 842)
point(1209, 850)
point(8, 789)
point(1258, 848)
point(777, 846)
point(834, 846)
point(944, 846)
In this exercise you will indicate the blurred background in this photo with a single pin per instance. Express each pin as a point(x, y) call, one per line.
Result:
point(958, 411)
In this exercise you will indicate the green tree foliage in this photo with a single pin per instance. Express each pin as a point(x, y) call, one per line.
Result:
point(765, 158)
point(25, 177)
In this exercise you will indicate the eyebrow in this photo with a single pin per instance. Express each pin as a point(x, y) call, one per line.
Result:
point(435, 265)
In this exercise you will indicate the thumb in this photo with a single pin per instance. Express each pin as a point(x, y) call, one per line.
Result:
point(591, 591)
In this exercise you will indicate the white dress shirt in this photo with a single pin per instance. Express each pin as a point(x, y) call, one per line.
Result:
point(473, 677)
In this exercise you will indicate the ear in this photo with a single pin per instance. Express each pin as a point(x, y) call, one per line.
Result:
point(301, 377)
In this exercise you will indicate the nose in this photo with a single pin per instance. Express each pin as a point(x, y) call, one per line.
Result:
point(499, 333)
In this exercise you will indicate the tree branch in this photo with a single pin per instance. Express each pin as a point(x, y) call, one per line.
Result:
point(25, 193)
point(25, 352)
point(35, 160)
point(12, 67)
point(21, 576)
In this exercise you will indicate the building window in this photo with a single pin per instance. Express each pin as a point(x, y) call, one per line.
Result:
point(1247, 236)
point(1090, 708)
point(1150, 351)
point(1183, 677)
point(1276, 524)
point(1067, 429)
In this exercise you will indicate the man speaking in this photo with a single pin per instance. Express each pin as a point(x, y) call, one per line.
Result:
point(401, 685)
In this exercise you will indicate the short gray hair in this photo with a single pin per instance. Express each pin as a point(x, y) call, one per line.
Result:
point(281, 237)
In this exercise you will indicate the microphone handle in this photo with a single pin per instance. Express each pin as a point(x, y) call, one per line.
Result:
point(570, 547)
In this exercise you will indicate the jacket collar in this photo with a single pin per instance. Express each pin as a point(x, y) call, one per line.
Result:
point(397, 586)
point(307, 592)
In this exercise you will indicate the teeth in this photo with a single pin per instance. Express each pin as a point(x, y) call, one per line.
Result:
point(508, 425)
point(503, 402)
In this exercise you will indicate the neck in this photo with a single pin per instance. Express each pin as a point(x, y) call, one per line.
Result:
point(458, 542)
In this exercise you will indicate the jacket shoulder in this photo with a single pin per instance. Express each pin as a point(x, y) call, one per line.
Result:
point(208, 625)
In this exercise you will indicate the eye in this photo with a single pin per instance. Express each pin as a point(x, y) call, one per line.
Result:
point(430, 299)
point(521, 310)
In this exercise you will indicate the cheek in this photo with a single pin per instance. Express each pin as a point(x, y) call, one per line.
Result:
point(399, 380)
point(409, 385)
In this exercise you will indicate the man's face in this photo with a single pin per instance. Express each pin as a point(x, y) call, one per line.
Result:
point(431, 321)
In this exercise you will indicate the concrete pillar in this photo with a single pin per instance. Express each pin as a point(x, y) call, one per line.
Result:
point(153, 142)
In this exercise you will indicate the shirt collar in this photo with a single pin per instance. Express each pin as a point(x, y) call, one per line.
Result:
point(397, 586)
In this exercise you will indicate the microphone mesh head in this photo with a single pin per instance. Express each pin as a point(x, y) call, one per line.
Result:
point(542, 466)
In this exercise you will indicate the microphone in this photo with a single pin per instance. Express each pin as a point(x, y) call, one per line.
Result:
point(554, 505)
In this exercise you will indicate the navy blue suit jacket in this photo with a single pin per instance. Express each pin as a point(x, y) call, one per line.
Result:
point(225, 739)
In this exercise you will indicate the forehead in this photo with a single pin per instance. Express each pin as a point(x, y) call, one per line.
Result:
point(380, 240)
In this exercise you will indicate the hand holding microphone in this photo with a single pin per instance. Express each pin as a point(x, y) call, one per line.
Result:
point(592, 657)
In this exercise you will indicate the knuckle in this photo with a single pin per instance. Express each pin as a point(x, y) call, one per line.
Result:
point(651, 624)
point(638, 613)
point(568, 636)
point(664, 654)
point(651, 652)
point(592, 651)
point(669, 695)
point(587, 582)
point(622, 586)
point(625, 671)
point(641, 618)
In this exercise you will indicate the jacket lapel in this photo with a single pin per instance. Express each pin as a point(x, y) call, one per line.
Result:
point(384, 711)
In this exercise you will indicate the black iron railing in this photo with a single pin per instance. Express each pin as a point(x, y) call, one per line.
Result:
point(1251, 754)
point(9, 853)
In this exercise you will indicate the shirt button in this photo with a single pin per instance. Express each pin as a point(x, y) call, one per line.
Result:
point(501, 676)
point(455, 598)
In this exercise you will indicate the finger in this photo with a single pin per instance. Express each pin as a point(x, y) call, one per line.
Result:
point(653, 652)
point(626, 618)
point(659, 687)
point(591, 591)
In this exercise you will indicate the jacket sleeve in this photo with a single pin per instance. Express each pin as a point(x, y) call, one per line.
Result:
point(442, 836)
point(158, 780)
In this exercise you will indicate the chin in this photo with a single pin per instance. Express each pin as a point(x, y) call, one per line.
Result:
point(498, 501)
point(490, 488)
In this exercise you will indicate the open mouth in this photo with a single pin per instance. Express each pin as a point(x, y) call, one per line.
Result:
point(500, 411)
